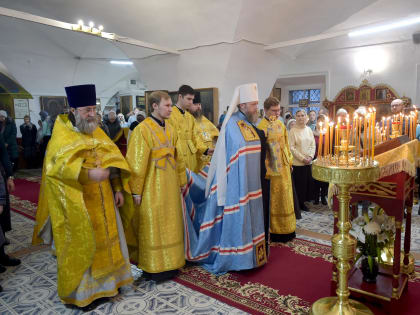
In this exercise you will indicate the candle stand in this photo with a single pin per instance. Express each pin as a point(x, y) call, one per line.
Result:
point(344, 171)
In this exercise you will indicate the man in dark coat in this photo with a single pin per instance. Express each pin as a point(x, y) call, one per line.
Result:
point(8, 130)
point(28, 131)
point(5, 221)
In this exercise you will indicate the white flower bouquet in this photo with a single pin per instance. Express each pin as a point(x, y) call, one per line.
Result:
point(373, 231)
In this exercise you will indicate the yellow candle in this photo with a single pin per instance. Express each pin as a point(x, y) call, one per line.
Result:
point(347, 130)
point(359, 135)
point(401, 122)
point(326, 140)
point(320, 141)
point(373, 140)
point(372, 134)
point(336, 139)
point(413, 119)
point(412, 127)
point(365, 132)
point(331, 136)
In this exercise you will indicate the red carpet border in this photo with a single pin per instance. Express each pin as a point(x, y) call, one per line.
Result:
point(297, 274)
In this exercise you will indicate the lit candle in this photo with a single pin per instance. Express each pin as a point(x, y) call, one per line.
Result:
point(359, 135)
point(347, 130)
point(336, 139)
point(331, 137)
point(365, 132)
point(327, 138)
point(414, 123)
point(412, 126)
point(373, 139)
point(320, 141)
point(401, 123)
point(372, 133)
point(353, 130)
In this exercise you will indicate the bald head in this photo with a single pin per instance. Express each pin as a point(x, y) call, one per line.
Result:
point(397, 106)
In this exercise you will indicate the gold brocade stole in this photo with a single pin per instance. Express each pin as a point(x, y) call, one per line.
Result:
point(185, 132)
point(276, 157)
point(99, 201)
point(208, 134)
point(205, 134)
point(164, 153)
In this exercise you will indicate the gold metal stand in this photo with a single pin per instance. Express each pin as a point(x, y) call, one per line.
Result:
point(343, 244)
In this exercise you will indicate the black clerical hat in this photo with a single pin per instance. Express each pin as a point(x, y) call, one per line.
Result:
point(81, 95)
point(197, 98)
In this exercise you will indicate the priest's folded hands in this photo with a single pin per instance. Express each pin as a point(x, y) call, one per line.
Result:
point(98, 174)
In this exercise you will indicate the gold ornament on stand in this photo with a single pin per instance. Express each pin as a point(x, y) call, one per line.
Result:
point(346, 166)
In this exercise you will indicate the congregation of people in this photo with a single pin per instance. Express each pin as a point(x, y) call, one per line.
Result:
point(175, 189)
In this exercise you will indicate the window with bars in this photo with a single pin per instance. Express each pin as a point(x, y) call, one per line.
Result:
point(313, 95)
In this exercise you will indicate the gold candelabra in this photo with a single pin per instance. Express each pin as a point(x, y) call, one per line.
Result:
point(344, 173)
point(395, 130)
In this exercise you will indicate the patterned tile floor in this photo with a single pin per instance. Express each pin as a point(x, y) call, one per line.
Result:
point(31, 287)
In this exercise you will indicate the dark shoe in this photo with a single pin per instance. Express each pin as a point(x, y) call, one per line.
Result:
point(94, 305)
point(304, 208)
point(316, 202)
point(324, 201)
point(2, 269)
point(6, 241)
point(9, 261)
point(1, 288)
point(161, 276)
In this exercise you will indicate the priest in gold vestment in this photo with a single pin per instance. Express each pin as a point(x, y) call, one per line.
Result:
point(154, 230)
point(207, 130)
point(278, 162)
point(83, 178)
point(184, 124)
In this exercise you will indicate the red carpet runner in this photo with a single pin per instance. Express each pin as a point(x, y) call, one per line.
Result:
point(24, 199)
point(297, 274)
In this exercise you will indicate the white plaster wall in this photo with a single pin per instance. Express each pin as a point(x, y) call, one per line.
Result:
point(228, 66)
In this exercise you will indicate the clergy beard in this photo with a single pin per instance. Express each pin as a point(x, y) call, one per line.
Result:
point(252, 118)
point(197, 114)
point(87, 125)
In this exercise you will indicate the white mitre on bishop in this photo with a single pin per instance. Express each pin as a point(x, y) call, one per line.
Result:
point(245, 93)
point(248, 93)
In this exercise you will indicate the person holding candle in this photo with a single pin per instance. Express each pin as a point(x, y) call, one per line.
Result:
point(302, 145)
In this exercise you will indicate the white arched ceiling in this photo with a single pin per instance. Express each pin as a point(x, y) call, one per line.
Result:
point(45, 59)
